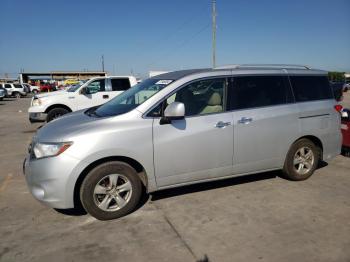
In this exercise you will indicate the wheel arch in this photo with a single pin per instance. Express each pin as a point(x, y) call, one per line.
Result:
point(315, 140)
point(58, 106)
point(132, 162)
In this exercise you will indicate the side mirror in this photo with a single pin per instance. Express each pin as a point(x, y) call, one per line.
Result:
point(85, 91)
point(174, 111)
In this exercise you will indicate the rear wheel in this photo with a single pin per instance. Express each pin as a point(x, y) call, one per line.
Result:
point(55, 113)
point(302, 160)
point(111, 190)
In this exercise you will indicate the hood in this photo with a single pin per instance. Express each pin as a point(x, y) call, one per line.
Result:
point(63, 128)
point(48, 94)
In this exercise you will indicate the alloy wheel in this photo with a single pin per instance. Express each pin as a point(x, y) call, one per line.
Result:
point(303, 160)
point(112, 192)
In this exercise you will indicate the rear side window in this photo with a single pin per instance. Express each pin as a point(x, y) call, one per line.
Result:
point(120, 84)
point(310, 88)
point(18, 86)
point(258, 91)
point(7, 86)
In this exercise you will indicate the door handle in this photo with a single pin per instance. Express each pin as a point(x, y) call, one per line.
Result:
point(105, 96)
point(222, 124)
point(245, 120)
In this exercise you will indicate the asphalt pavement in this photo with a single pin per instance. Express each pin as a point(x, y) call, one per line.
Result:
point(260, 217)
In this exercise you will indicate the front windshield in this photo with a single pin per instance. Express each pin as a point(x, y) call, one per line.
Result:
point(73, 88)
point(132, 98)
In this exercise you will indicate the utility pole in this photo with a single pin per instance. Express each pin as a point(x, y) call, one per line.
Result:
point(214, 32)
point(103, 63)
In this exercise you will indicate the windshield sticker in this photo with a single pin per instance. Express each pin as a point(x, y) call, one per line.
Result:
point(164, 82)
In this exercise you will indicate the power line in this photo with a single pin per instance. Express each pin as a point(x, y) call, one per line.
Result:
point(214, 32)
point(183, 43)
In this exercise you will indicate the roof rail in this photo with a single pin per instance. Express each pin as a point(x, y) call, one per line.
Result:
point(282, 66)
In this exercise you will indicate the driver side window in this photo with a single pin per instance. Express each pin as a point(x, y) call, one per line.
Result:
point(96, 86)
point(201, 97)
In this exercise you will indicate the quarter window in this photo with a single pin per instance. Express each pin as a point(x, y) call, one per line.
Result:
point(201, 97)
point(258, 91)
point(309, 88)
point(120, 84)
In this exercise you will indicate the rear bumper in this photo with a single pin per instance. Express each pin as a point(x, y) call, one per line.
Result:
point(37, 117)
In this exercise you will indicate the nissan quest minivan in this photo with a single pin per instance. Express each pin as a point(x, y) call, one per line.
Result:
point(181, 128)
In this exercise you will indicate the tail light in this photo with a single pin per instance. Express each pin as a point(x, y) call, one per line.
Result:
point(338, 108)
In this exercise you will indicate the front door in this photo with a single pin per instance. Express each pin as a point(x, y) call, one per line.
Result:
point(97, 95)
point(199, 146)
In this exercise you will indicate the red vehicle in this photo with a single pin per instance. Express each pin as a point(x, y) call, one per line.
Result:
point(345, 129)
point(45, 87)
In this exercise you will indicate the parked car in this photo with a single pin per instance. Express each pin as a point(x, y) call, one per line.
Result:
point(181, 128)
point(32, 89)
point(346, 86)
point(345, 129)
point(47, 87)
point(48, 106)
point(3, 93)
point(338, 90)
point(71, 81)
point(14, 90)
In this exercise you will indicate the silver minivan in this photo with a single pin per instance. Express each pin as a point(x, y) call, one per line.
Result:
point(181, 128)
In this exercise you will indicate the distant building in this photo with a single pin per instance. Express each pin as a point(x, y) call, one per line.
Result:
point(60, 75)
point(155, 73)
point(7, 80)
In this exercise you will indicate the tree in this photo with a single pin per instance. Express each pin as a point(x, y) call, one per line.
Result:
point(336, 76)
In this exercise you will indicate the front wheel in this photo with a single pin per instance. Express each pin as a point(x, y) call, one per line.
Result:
point(302, 160)
point(111, 190)
point(55, 113)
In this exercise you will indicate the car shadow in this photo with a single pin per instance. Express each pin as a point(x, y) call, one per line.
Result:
point(322, 164)
point(189, 189)
point(79, 211)
point(167, 193)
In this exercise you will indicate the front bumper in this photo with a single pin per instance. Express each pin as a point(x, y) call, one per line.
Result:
point(37, 117)
point(48, 180)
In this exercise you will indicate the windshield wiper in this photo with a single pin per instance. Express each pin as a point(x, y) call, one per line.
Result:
point(92, 112)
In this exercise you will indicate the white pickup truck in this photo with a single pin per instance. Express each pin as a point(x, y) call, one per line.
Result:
point(94, 92)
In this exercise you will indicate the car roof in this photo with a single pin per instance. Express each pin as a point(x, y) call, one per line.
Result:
point(244, 69)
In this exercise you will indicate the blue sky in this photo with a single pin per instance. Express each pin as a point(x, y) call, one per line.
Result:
point(168, 35)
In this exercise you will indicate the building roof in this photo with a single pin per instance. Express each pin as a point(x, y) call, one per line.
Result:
point(64, 73)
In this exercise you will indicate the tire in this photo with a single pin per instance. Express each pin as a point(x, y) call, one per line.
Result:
point(16, 95)
point(55, 113)
point(111, 203)
point(300, 164)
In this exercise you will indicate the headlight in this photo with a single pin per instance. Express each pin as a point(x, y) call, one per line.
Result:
point(50, 149)
point(36, 102)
